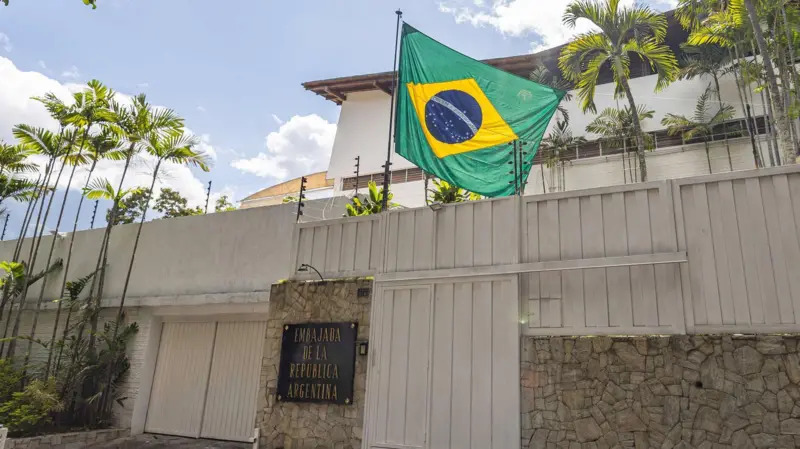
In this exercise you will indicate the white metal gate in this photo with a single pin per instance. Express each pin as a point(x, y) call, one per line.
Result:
point(206, 380)
point(445, 366)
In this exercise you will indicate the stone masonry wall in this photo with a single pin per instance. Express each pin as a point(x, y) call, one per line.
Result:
point(707, 392)
point(305, 425)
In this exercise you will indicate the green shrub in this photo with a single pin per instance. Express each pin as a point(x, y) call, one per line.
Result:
point(31, 409)
point(10, 380)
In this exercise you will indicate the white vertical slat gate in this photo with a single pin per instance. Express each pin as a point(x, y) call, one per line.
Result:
point(178, 394)
point(602, 223)
point(206, 380)
point(742, 235)
point(233, 382)
point(444, 371)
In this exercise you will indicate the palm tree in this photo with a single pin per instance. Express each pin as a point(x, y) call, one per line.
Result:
point(701, 124)
point(18, 189)
point(104, 145)
point(91, 107)
point(781, 117)
point(615, 126)
point(623, 32)
point(691, 13)
point(47, 143)
point(725, 27)
point(96, 189)
point(14, 159)
point(135, 124)
point(554, 149)
point(175, 147)
point(708, 60)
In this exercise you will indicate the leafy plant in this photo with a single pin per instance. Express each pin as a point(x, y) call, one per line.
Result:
point(172, 204)
point(444, 192)
point(616, 127)
point(223, 204)
point(32, 408)
point(10, 379)
point(370, 204)
point(701, 124)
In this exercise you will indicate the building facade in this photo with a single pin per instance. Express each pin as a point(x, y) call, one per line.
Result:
point(363, 130)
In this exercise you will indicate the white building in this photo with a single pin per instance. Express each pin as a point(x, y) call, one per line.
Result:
point(364, 117)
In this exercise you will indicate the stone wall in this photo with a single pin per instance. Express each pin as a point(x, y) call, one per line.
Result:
point(73, 440)
point(305, 425)
point(707, 392)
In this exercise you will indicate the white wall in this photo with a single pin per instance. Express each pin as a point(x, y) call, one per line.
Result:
point(363, 130)
point(241, 251)
point(667, 163)
point(664, 163)
point(679, 97)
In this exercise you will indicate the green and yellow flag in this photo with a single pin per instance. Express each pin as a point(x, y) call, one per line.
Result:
point(456, 116)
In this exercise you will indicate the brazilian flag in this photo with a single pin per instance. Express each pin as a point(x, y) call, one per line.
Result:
point(456, 116)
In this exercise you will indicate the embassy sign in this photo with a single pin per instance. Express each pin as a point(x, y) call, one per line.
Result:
point(317, 363)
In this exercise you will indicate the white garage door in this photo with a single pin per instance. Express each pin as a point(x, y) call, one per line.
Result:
point(206, 380)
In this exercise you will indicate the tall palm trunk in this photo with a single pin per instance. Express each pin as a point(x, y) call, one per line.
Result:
point(782, 120)
point(66, 273)
point(772, 143)
point(50, 253)
point(637, 128)
point(136, 244)
point(725, 125)
point(708, 154)
point(786, 83)
point(4, 300)
point(739, 89)
point(40, 192)
point(41, 198)
point(102, 261)
point(120, 310)
point(32, 256)
point(748, 97)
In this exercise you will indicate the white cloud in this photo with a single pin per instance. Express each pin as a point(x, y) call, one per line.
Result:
point(16, 91)
point(5, 43)
point(42, 65)
point(201, 108)
point(521, 18)
point(205, 146)
point(71, 73)
point(300, 146)
point(277, 119)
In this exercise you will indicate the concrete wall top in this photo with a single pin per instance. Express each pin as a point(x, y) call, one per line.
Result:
point(240, 251)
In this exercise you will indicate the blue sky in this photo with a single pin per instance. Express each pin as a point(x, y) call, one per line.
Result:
point(233, 69)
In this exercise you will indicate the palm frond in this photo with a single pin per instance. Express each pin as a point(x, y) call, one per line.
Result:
point(37, 139)
point(660, 58)
point(99, 189)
